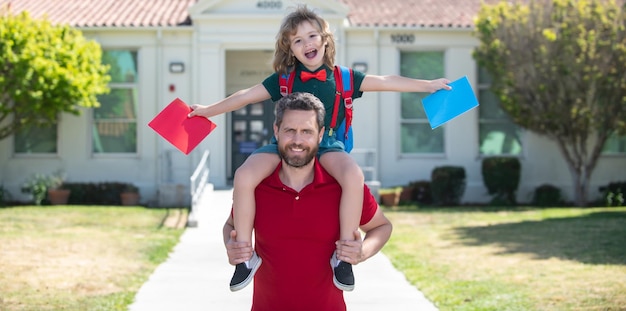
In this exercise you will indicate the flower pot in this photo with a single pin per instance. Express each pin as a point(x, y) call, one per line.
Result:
point(390, 199)
point(58, 196)
point(129, 198)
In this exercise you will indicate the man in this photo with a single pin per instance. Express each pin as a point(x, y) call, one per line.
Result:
point(297, 220)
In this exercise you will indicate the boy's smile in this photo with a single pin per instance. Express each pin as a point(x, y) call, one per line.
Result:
point(311, 54)
point(307, 46)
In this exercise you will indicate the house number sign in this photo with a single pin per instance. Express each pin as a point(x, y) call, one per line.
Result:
point(267, 4)
point(403, 38)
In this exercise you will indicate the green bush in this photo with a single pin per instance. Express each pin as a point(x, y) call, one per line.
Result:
point(501, 176)
point(103, 193)
point(447, 185)
point(547, 195)
point(421, 191)
point(614, 194)
point(5, 196)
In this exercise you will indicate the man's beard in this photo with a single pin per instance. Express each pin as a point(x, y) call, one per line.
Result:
point(299, 160)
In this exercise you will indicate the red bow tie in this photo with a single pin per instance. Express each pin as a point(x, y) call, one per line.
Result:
point(306, 76)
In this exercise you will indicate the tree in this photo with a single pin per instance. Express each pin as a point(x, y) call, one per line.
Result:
point(45, 69)
point(559, 69)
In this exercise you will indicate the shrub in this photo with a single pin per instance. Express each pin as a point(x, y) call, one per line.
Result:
point(103, 193)
point(614, 193)
point(501, 176)
point(447, 185)
point(130, 188)
point(547, 195)
point(421, 191)
point(5, 196)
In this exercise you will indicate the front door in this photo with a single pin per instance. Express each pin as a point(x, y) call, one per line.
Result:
point(251, 128)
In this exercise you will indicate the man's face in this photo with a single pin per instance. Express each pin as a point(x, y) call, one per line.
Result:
point(298, 137)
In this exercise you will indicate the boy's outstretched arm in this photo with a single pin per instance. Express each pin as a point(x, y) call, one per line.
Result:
point(233, 102)
point(394, 83)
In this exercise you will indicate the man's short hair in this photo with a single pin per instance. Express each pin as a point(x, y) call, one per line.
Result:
point(300, 101)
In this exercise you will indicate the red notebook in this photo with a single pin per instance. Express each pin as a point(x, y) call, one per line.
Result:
point(184, 133)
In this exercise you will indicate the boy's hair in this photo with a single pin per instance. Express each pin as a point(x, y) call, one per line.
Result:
point(283, 58)
point(300, 101)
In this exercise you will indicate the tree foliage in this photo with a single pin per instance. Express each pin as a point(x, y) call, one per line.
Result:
point(45, 69)
point(559, 69)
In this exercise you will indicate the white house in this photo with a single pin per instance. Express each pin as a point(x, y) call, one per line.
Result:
point(201, 51)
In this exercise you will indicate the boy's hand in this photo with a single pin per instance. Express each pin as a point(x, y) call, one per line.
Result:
point(197, 110)
point(439, 84)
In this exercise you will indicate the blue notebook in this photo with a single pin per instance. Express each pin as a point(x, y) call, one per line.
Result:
point(443, 106)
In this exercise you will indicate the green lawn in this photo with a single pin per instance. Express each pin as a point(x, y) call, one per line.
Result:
point(515, 259)
point(80, 257)
point(96, 258)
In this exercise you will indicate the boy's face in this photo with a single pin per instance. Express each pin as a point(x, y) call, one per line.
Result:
point(298, 137)
point(307, 46)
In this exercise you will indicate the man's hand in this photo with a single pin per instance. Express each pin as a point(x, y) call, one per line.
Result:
point(238, 252)
point(350, 251)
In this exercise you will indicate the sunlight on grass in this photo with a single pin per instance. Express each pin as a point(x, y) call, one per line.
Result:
point(79, 258)
point(516, 259)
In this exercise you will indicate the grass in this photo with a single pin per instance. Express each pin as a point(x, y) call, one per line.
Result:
point(96, 258)
point(81, 257)
point(516, 259)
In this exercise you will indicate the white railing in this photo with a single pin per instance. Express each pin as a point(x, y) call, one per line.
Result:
point(366, 159)
point(197, 183)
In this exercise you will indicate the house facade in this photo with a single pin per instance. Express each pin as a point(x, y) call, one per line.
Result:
point(202, 51)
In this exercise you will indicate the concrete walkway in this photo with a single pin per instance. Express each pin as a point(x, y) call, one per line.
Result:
point(197, 273)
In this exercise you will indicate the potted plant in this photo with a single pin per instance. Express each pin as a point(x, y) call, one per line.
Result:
point(390, 196)
point(57, 194)
point(39, 186)
point(130, 195)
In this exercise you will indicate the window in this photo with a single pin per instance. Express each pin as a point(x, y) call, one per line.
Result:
point(497, 134)
point(615, 145)
point(115, 121)
point(36, 140)
point(416, 135)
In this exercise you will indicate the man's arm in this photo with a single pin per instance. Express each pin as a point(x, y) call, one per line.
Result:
point(377, 233)
point(237, 252)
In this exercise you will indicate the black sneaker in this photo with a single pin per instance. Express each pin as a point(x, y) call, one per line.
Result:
point(342, 274)
point(244, 273)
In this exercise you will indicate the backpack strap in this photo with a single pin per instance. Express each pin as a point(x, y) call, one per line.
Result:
point(286, 83)
point(344, 90)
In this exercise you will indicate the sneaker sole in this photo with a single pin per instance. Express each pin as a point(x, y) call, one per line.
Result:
point(248, 280)
point(341, 286)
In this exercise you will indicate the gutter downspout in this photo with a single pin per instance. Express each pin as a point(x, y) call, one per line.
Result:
point(193, 75)
point(379, 106)
point(159, 145)
point(344, 44)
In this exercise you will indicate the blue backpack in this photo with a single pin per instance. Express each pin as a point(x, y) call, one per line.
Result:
point(344, 90)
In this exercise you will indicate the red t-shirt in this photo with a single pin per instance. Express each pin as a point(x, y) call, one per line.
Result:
point(295, 234)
